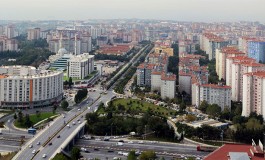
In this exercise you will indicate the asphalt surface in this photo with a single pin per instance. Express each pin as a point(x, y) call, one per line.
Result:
point(163, 149)
point(49, 150)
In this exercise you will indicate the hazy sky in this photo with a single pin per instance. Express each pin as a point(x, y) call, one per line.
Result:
point(182, 10)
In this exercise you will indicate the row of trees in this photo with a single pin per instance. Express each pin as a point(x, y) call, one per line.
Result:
point(81, 94)
point(120, 86)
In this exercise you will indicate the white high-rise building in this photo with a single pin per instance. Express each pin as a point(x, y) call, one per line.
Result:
point(168, 86)
point(213, 94)
point(254, 93)
point(80, 66)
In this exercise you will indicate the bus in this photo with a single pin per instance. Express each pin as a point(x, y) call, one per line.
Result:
point(32, 131)
point(206, 148)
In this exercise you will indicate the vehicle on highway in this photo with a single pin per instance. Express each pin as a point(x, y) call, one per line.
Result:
point(106, 138)
point(206, 148)
point(116, 158)
point(83, 149)
point(125, 154)
point(121, 141)
point(130, 142)
point(58, 136)
point(110, 151)
point(141, 142)
point(78, 109)
point(38, 143)
point(34, 151)
point(63, 116)
point(50, 143)
point(96, 149)
point(119, 144)
point(79, 122)
point(73, 123)
point(120, 153)
point(44, 156)
point(68, 125)
point(97, 139)
point(30, 146)
point(137, 152)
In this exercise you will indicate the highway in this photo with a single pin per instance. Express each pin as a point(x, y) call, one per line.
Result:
point(49, 131)
point(161, 148)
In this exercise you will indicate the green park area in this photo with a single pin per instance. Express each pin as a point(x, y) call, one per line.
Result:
point(139, 106)
point(26, 121)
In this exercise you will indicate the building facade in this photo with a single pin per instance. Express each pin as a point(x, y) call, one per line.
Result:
point(28, 87)
point(254, 93)
point(168, 85)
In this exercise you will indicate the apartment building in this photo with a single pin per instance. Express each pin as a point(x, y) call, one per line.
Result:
point(256, 50)
point(221, 56)
point(80, 66)
point(238, 70)
point(28, 87)
point(254, 93)
point(213, 94)
point(168, 85)
point(33, 34)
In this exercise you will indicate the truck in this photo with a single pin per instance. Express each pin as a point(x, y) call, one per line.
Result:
point(119, 144)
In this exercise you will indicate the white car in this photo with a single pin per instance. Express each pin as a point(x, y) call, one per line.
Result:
point(79, 122)
point(30, 146)
point(130, 142)
point(34, 151)
point(68, 126)
point(73, 123)
point(78, 109)
point(44, 156)
point(120, 153)
point(38, 143)
point(141, 142)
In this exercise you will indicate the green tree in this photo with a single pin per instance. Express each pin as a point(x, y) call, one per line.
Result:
point(182, 106)
point(27, 122)
point(38, 114)
point(70, 82)
point(203, 106)
point(60, 156)
point(75, 153)
point(253, 124)
point(131, 156)
point(213, 110)
point(15, 116)
point(64, 104)
point(20, 117)
point(147, 155)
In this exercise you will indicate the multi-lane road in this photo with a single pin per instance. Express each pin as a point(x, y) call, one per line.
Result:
point(50, 132)
point(161, 148)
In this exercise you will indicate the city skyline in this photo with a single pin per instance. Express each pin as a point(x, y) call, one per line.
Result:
point(181, 10)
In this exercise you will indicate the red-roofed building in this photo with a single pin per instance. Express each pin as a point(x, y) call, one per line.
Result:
point(237, 152)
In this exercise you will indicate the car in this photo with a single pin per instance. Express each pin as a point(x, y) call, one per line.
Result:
point(120, 153)
point(79, 122)
point(87, 151)
point(96, 149)
point(38, 143)
point(30, 146)
point(121, 141)
point(78, 109)
point(130, 142)
point(83, 149)
point(73, 123)
point(50, 143)
point(68, 125)
point(58, 136)
point(110, 151)
point(34, 151)
point(44, 156)
point(98, 139)
point(115, 158)
point(141, 142)
point(63, 116)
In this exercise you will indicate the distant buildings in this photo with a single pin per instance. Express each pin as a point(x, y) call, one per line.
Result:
point(117, 50)
point(8, 44)
point(28, 87)
point(33, 34)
